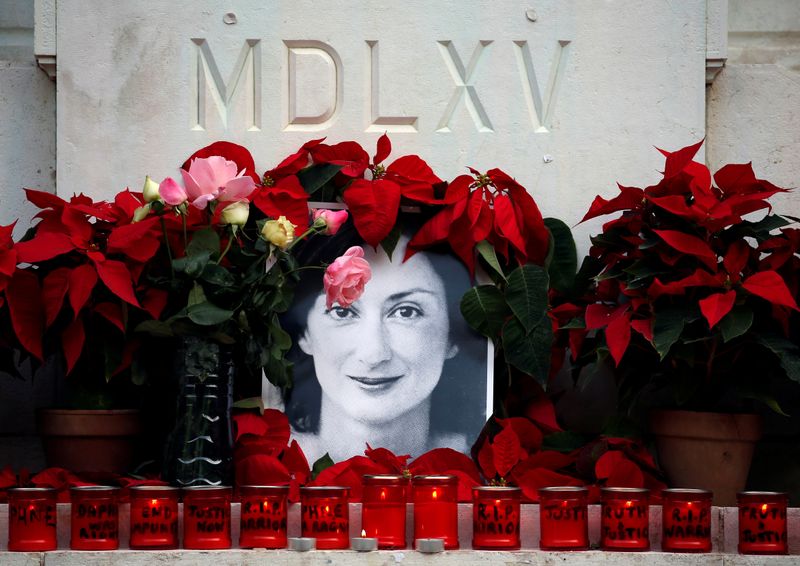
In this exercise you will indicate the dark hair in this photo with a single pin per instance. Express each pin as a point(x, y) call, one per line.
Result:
point(453, 406)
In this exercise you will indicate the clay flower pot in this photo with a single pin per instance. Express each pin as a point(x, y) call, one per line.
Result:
point(706, 450)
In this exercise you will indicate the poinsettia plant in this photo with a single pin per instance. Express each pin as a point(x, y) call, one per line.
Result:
point(694, 288)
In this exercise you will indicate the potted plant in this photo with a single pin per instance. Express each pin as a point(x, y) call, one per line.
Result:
point(692, 301)
point(70, 298)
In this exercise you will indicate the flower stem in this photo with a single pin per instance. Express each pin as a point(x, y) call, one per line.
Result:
point(228, 246)
point(185, 238)
point(166, 242)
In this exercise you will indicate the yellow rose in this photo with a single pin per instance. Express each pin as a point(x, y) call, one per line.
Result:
point(278, 232)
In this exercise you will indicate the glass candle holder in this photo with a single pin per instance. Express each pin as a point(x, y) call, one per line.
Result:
point(762, 522)
point(94, 518)
point(436, 509)
point(686, 516)
point(154, 517)
point(207, 517)
point(625, 518)
point(563, 518)
point(263, 517)
point(326, 516)
point(495, 518)
point(32, 516)
point(383, 509)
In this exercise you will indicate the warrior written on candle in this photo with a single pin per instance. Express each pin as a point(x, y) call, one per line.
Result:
point(32, 519)
point(686, 517)
point(762, 522)
point(625, 519)
point(325, 516)
point(263, 516)
point(207, 517)
point(94, 518)
point(495, 517)
point(563, 518)
point(154, 517)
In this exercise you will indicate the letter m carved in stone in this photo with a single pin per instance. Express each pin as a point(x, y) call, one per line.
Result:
point(245, 79)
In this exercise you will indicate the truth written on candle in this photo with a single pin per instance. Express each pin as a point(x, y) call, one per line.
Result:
point(766, 523)
point(625, 523)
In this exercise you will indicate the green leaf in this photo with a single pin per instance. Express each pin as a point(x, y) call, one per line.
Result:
point(765, 398)
point(736, 322)
point(207, 314)
point(788, 353)
point(488, 253)
point(280, 337)
point(205, 240)
point(389, 243)
point(526, 294)
point(564, 441)
point(484, 308)
point(529, 352)
point(155, 328)
point(667, 328)
point(192, 265)
point(314, 177)
point(250, 403)
point(196, 295)
point(217, 275)
point(563, 265)
point(138, 371)
point(324, 462)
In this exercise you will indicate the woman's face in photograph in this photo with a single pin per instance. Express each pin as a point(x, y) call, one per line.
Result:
point(382, 356)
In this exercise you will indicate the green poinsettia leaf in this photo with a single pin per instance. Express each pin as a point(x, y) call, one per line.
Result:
point(788, 353)
point(563, 264)
point(205, 240)
point(736, 322)
point(526, 294)
point(323, 463)
point(488, 253)
point(217, 275)
point(484, 308)
point(192, 265)
point(250, 403)
point(389, 243)
point(529, 352)
point(207, 314)
point(669, 323)
point(196, 295)
point(315, 177)
point(564, 441)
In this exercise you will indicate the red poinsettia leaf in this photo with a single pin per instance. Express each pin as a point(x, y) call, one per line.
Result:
point(261, 469)
point(507, 450)
point(26, 312)
point(628, 198)
point(7, 478)
point(350, 473)
point(462, 240)
point(618, 336)
point(618, 471)
point(133, 240)
point(542, 412)
point(465, 484)
point(600, 316)
point(644, 326)
point(277, 428)
point(296, 462)
point(737, 178)
point(486, 460)
point(533, 480)
point(716, 306)
point(41, 199)
point(126, 203)
point(249, 423)
point(678, 160)
point(529, 218)
point(72, 340)
point(530, 436)
point(57, 478)
point(770, 286)
point(374, 206)
point(736, 258)
point(387, 458)
point(351, 156)
point(82, 280)
point(444, 460)
point(118, 279)
point(112, 312)
point(286, 198)
point(505, 224)
point(43, 246)
point(54, 289)
point(686, 243)
point(676, 204)
point(154, 301)
point(230, 151)
point(384, 148)
point(412, 169)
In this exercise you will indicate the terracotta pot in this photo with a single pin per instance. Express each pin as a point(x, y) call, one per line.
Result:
point(89, 441)
point(706, 450)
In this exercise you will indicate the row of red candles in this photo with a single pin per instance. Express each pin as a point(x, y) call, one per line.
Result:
point(686, 517)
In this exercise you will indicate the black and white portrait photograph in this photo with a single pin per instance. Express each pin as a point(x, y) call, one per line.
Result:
point(399, 368)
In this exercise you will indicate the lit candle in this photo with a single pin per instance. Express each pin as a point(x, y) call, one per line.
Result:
point(263, 518)
point(762, 522)
point(563, 514)
point(686, 517)
point(495, 518)
point(364, 543)
point(154, 517)
point(32, 519)
point(383, 509)
point(625, 519)
point(325, 516)
point(436, 509)
point(207, 517)
point(94, 518)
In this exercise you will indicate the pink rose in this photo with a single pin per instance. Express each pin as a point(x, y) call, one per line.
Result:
point(172, 192)
point(330, 220)
point(215, 178)
point(345, 278)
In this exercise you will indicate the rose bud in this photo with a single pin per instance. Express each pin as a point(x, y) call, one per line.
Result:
point(329, 221)
point(150, 190)
point(172, 192)
point(236, 214)
point(278, 232)
point(345, 278)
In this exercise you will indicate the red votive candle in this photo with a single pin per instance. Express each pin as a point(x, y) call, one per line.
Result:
point(762, 522)
point(383, 509)
point(326, 516)
point(686, 516)
point(264, 512)
point(94, 518)
point(32, 519)
point(563, 514)
point(436, 509)
point(625, 519)
point(154, 517)
point(495, 518)
point(206, 517)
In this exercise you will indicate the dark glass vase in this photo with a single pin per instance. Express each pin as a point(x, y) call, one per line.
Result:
point(199, 449)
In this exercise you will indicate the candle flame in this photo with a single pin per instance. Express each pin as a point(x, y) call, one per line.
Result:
point(383, 494)
point(764, 508)
point(31, 507)
point(435, 494)
point(363, 533)
point(629, 504)
point(327, 509)
point(154, 502)
point(688, 503)
point(497, 502)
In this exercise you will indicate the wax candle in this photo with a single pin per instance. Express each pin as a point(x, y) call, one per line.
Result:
point(383, 509)
point(625, 519)
point(325, 516)
point(207, 517)
point(762, 522)
point(364, 543)
point(32, 519)
point(495, 518)
point(563, 514)
point(436, 509)
point(686, 517)
point(94, 518)
point(154, 517)
point(263, 517)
